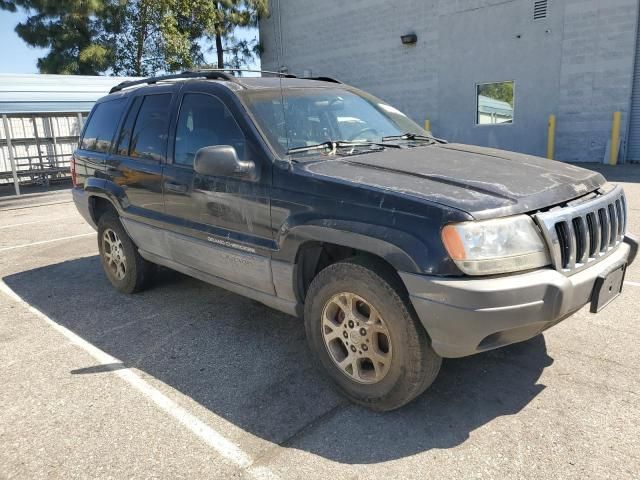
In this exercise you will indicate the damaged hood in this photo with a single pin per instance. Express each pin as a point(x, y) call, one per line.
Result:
point(483, 182)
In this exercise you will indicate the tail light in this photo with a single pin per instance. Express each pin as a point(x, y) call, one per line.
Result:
point(72, 167)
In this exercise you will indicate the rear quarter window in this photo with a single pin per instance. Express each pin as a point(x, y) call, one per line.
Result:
point(102, 126)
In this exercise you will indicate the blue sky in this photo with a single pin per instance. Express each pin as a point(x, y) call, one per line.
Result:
point(21, 58)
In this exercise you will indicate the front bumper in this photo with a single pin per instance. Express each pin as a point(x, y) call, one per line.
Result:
point(464, 316)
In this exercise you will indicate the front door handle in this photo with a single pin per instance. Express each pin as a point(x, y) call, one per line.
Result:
point(175, 187)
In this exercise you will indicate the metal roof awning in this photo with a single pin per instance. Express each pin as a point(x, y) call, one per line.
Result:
point(34, 93)
point(491, 105)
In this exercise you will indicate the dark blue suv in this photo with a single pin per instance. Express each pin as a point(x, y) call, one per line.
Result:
point(324, 202)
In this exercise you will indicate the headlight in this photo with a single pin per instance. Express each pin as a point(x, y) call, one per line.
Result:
point(495, 246)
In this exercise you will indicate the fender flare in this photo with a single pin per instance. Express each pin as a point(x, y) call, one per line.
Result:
point(101, 188)
point(372, 239)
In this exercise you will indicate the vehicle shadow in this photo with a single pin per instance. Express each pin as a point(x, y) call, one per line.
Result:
point(250, 365)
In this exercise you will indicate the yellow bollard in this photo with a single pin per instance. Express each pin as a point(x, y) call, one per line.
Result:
point(615, 139)
point(427, 125)
point(551, 137)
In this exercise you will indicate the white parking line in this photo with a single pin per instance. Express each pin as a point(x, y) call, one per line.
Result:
point(36, 221)
point(4, 249)
point(24, 207)
point(633, 284)
point(211, 437)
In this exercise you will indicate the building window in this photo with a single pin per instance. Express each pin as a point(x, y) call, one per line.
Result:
point(494, 103)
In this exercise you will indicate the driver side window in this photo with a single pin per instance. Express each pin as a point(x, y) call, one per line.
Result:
point(205, 121)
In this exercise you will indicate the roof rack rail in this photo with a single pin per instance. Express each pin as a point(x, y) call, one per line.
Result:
point(219, 75)
point(324, 79)
point(247, 70)
point(211, 74)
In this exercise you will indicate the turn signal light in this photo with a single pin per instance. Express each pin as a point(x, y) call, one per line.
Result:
point(453, 242)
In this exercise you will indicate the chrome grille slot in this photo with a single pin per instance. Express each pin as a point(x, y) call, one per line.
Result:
point(623, 207)
point(620, 217)
point(563, 241)
point(603, 215)
point(581, 239)
point(594, 234)
point(580, 235)
point(613, 218)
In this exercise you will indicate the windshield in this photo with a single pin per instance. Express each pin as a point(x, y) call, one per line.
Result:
point(316, 115)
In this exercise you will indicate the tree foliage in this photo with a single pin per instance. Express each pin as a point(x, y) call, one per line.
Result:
point(136, 37)
point(158, 35)
point(499, 91)
point(70, 29)
point(227, 16)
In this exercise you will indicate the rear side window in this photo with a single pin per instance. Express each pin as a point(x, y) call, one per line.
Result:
point(122, 146)
point(149, 138)
point(102, 126)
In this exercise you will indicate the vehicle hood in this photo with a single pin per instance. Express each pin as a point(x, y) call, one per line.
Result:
point(483, 182)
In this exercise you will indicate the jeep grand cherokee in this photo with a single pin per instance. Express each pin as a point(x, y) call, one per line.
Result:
point(324, 202)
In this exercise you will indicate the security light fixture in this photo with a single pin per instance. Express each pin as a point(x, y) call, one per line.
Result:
point(409, 39)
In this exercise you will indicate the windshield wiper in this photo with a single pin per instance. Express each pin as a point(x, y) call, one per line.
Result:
point(334, 145)
point(413, 136)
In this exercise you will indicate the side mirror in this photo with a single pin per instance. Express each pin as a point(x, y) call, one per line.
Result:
point(222, 161)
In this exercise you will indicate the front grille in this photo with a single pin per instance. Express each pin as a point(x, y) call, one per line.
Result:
point(580, 235)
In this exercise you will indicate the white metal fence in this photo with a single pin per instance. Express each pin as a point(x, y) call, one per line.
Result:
point(36, 148)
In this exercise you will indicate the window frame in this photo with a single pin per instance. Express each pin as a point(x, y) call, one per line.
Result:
point(476, 112)
point(171, 156)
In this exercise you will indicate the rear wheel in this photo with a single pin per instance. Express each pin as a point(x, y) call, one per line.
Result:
point(127, 271)
point(366, 336)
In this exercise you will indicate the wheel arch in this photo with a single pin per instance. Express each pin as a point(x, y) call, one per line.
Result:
point(316, 247)
point(104, 196)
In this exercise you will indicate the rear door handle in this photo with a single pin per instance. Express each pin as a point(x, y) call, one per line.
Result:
point(175, 187)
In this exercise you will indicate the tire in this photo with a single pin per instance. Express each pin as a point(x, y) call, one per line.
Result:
point(393, 370)
point(127, 271)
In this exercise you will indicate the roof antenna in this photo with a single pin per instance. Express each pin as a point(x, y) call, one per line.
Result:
point(282, 71)
point(284, 114)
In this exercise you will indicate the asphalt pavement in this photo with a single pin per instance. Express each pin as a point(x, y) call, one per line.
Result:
point(186, 380)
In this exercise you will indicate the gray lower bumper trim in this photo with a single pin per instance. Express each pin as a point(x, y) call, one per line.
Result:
point(464, 316)
point(81, 199)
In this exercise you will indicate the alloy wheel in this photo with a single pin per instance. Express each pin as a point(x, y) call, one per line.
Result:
point(357, 338)
point(113, 253)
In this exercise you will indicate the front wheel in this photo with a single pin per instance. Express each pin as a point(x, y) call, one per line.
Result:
point(127, 271)
point(366, 336)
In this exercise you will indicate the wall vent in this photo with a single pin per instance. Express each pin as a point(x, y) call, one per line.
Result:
point(539, 9)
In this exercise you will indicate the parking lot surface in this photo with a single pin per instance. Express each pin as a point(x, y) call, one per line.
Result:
point(186, 380)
